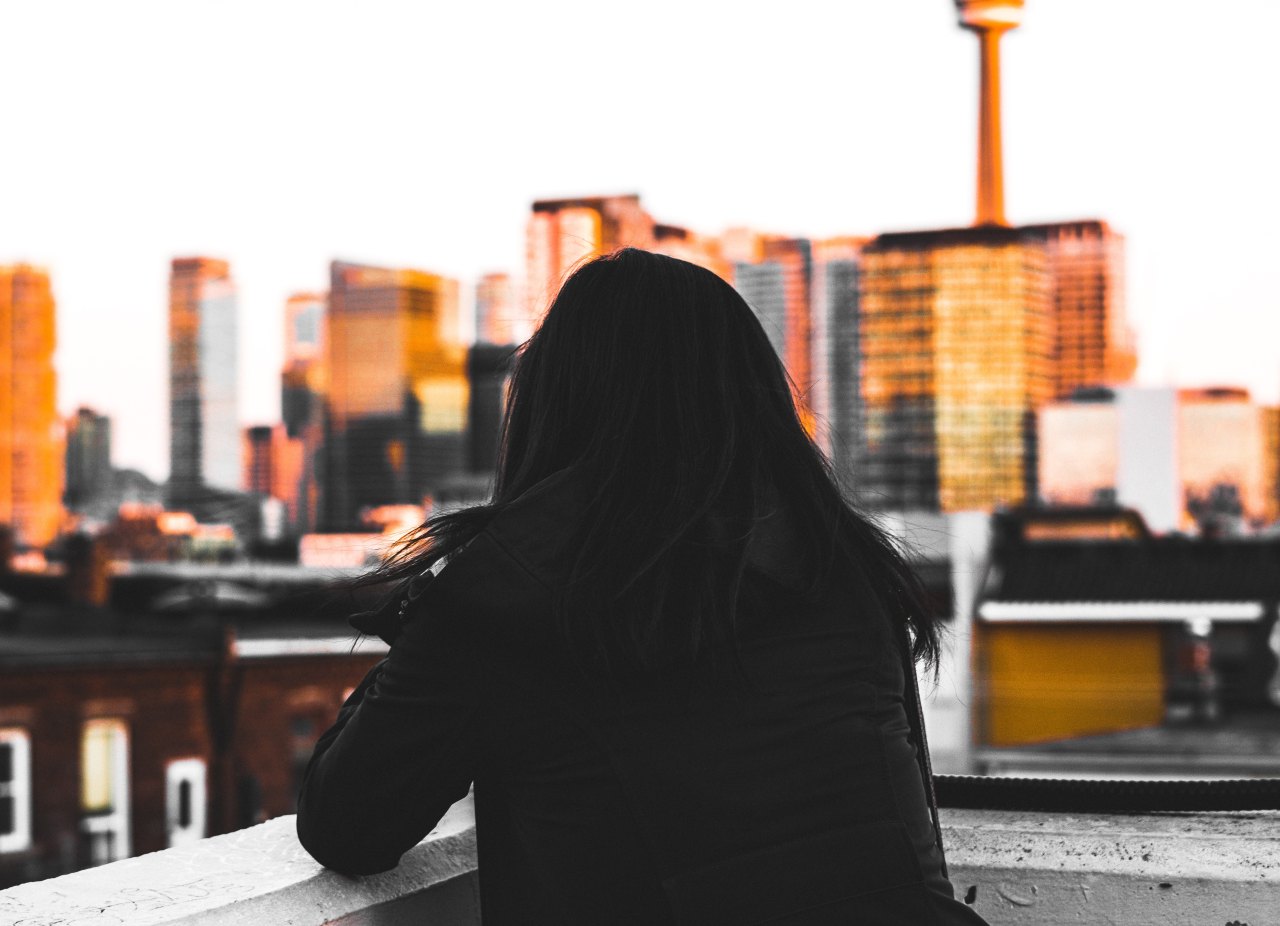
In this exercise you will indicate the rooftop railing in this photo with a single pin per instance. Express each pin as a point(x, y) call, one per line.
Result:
point(1203, 869)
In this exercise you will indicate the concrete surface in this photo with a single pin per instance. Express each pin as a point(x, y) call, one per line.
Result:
point(1168, 869)
point(259, 875)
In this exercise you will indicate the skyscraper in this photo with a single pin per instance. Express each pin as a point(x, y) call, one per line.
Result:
point(954, 358)
point(835, 317)
point(272, 464)
point(777, 288)
point(488, 369)
point(303, 377)
point(31, 465)
point(88, 457)
point(1092, 342)
point(204, 434)
point(562, 233)
point(397, 390)
point(303, 385)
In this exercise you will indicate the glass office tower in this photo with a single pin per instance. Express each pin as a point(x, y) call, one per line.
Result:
point(204, 432)
point(397, 390)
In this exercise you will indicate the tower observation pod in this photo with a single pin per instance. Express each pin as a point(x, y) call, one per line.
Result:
point(990, 19)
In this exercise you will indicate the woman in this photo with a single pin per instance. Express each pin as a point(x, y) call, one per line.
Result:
point(666, 653)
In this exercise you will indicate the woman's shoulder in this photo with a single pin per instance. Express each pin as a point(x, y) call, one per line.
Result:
point(508, 571)
point(538, 529)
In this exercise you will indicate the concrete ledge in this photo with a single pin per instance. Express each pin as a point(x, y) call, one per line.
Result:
point(261, 875)
point(1170, 869)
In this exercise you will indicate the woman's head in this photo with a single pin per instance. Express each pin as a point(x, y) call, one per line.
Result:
point(651, 384)
point(647, 368)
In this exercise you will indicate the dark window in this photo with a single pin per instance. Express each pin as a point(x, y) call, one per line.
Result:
point(184, 804)
point(6, 778)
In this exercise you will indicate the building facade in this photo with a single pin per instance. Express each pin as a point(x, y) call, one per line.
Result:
point(204, 432)
point(1093, 344)
point(953, 358)
point(303, 388)
point(120, 737)
point(273, 468)
point(834, 395)
point(396, 391)
point(1179, 456)
point(562, 233)
point(684, 244)
point(776, 282)
point(501, 316)
point(488, 371)
point(88, 457)
point(31, 454)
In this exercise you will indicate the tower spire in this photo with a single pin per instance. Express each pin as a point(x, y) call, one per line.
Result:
point(990, 19)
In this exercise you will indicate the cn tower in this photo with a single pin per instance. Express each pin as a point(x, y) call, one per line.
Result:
point(990, 19)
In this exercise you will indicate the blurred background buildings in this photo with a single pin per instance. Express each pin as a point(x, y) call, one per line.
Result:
point(1106, 553)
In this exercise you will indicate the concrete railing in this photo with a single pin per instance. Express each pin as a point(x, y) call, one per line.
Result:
point(1170, 869)
point(261, 876)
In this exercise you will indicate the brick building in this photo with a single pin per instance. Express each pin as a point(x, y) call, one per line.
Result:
point(185, 707)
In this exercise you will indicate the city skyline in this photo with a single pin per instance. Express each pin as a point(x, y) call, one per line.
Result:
point(418, 171)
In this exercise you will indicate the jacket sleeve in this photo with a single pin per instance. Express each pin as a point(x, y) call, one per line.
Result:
point(402, 751)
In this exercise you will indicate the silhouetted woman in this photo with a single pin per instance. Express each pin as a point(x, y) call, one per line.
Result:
point(667, 652)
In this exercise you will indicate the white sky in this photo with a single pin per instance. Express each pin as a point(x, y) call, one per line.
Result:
point(280, 135)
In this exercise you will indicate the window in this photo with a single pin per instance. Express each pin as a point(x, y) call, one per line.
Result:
point(15, 790)
point(185, 801)
point(104, 790)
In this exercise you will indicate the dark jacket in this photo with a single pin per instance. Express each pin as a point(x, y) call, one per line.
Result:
point(777, 786)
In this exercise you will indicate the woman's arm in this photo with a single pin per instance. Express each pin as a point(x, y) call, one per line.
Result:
point(402, 751)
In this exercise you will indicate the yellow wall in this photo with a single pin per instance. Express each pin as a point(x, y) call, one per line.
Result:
point(1045, 682)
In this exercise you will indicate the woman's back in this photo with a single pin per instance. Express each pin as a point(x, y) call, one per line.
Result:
point(666, 652)
point(773, 782)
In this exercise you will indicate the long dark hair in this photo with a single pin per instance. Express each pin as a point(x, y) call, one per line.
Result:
point(653, 383)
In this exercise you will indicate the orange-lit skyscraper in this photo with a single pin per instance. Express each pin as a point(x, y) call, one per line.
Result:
point(397, 390)
point(204, 432)
point(303, 385)
point(1092, 342)
point(953, 359)
point(562, 233)
point(1271, 457)
point(272, 464)
point(31, 464)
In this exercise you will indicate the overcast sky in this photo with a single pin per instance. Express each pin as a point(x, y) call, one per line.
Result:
point(280, 135)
